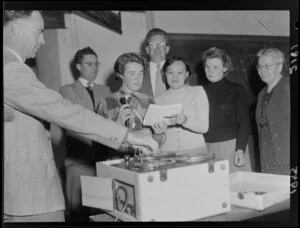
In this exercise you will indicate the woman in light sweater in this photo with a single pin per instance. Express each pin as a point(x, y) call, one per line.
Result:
point(184, 132)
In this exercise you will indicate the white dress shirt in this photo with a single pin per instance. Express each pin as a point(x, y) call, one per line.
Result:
point(85, 82)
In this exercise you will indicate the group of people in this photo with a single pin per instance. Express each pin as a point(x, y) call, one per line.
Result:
point(214, 120)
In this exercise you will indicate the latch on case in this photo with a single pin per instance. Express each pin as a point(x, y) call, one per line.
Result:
point(163, 175)
point(211, 167)
point(240, 195)
point(211, 164)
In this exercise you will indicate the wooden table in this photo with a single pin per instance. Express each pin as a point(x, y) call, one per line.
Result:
point(236, 214)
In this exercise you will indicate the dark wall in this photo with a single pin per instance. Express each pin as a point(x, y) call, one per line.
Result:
point(53, 19)
point(241, 49)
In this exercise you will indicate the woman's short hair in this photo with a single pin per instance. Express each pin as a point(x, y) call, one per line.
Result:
point(277, 55)
point(125, 58)
point(170, 61)
point(214, 52)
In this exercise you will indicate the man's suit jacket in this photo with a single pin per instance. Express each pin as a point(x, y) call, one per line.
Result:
point(78, 94)
point(146, 85)
point(31, 182)
point(279, 117)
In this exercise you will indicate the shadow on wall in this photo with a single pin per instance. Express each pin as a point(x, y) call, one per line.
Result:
point(200, 73)
point(73, 69)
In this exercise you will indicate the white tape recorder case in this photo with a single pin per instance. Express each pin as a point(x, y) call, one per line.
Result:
point(173, 188)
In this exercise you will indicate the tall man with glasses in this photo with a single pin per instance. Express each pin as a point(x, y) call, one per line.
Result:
point(84, 91)
point(157, 48)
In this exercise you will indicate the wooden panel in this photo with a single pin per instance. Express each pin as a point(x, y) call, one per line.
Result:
point(107, 19)
point(97, 192)
point(54, 19)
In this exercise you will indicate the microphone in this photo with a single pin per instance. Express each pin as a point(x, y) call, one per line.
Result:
point(126, 100)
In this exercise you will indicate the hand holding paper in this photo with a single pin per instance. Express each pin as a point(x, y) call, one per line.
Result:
point(180, 118)
point(160, 127)
point(157, 113)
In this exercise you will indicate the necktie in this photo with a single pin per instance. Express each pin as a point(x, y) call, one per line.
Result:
point(90, 91)
point(159, 85)
point(90, 85)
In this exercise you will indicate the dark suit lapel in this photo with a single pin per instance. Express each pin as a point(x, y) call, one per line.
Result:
point(100, 91)
point(97, 91)
point(85, 99)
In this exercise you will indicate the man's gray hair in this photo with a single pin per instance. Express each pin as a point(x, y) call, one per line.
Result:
point(11, 15)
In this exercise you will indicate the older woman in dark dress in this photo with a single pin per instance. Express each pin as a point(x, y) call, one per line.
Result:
point(273, 113)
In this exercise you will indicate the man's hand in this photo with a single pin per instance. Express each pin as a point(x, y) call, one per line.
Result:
point(143, 142)
point(180, 119)
point(239, 159)
point(124, 114)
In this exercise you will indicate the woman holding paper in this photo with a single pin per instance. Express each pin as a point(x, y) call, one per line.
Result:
point(127, 106)
point(184, 131)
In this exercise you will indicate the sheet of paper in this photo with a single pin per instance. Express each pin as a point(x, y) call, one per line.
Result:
point(156, 113)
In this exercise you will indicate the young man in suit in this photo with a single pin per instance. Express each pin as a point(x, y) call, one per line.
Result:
point(84, 91)
point(32, 189)
point(157, 48)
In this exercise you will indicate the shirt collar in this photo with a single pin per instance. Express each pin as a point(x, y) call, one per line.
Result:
point(153, 64)
point(15, 53)
point(85, 82)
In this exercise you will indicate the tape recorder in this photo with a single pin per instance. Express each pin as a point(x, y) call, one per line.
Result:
point(160, 188)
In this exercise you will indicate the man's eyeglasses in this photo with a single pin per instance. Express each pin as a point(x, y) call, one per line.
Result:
point(155, 44)
point(267, 66)
point(97, 64)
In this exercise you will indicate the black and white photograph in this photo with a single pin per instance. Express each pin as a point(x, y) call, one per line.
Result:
point(168, 113)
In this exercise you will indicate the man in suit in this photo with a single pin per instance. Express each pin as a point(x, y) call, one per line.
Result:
point(32, 189)
point(157, 48)
point(88, 94)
